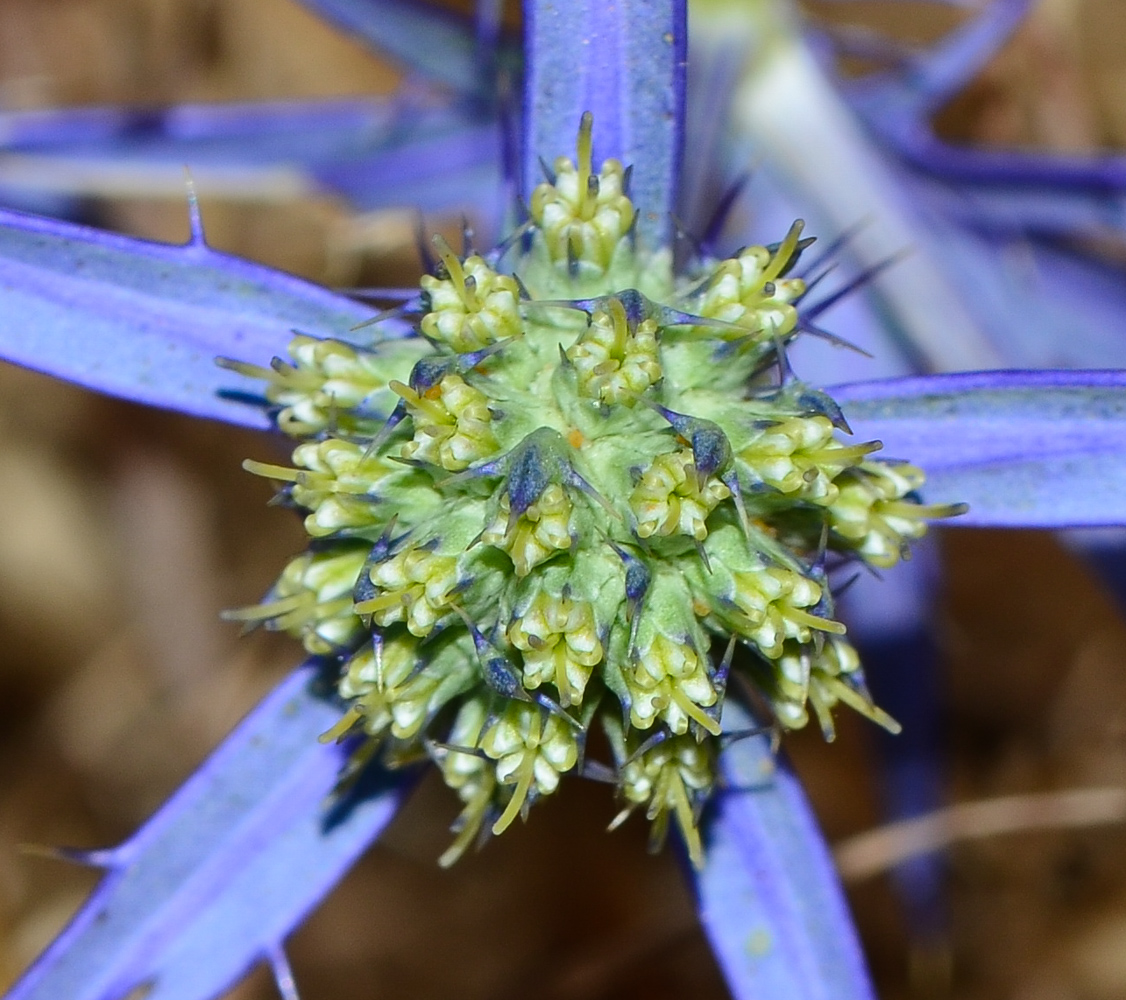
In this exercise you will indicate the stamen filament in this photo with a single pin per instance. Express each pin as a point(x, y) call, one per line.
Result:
point(523, 783)
point(268, 471)
point(347, 720)
point(800, 617)
point(785, 251)
point(562, 682)
point(383, 601)
point(423, 403)
point(452, 264)
point(693, 711)
point(585, 165)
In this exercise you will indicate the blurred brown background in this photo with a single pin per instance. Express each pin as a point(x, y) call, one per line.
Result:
point(124, 532)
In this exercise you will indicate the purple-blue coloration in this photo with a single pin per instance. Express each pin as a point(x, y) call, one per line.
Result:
point(770, 900)
point(903, 99)
point(1006, 212)
point(146, 321)
point(377, 153)
point(1023, 449)
point(424, 39)
point(1040, 304)
point(453, 169)
point(238, 857)
point(229, 866)
point(897, 106)
point(623, 62)
point(264, 132)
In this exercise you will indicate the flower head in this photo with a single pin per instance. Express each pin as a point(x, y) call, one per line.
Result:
point(582, 489)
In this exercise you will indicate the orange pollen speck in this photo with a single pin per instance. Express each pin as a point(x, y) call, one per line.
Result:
point(575, 438)
point(701, 608)
point(433, 392)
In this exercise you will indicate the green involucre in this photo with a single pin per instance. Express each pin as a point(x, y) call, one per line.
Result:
point(566, 502)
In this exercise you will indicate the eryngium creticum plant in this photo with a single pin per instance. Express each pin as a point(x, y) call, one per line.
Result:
point(224, 872)
point(591, 482)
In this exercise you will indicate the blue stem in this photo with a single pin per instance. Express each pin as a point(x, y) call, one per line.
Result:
point(624, 62)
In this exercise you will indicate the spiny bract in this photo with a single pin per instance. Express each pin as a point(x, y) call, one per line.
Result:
point(550, 508)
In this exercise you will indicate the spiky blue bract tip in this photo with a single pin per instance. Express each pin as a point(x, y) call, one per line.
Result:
point(539, 514)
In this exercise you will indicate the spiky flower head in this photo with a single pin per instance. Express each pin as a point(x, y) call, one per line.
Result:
point(568, 501)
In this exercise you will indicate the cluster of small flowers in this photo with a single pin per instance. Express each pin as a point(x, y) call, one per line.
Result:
point(540, 513)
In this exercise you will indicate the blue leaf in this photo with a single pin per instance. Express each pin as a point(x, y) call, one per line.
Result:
point(935, 76)
point(1001, 210)
point(623, 62)
point(258, 132)
point(770, 899)
point(458, 167)
point(376, 153)
point(897, 107)
point(912, 140)
point(228, 867)
point(145, 320)
point(430, 41)
point(1016, 289)
point(1023, 449)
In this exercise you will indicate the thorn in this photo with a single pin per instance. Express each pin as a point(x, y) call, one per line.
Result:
point(548, 173)
point(493, 257)
point(283, 973)
point(500, 674)
point(737, 735)
point(844, 588)
point(703, 554)
point(364, 589)
point(379, 317)
point(804, 243)
point(656, 739)
point(597, 771)
point(816, 280)
point(638, 307)
point(407, 297)
point(195, 218)
point(832, 338)
point(680, 232)
point(718, 219)
point(711, 451)
point(785, 370)
point(574, 479)
point(724, 667)
point(808, 402)
point(455, 748)
point(865, 277)
point(525, 295)
point(573, 255)
point(398, 415)
point(840, 242)
point(97, 858)
point(427, 258)
point(638, 579)
point(731, 481)
point(822, 547)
